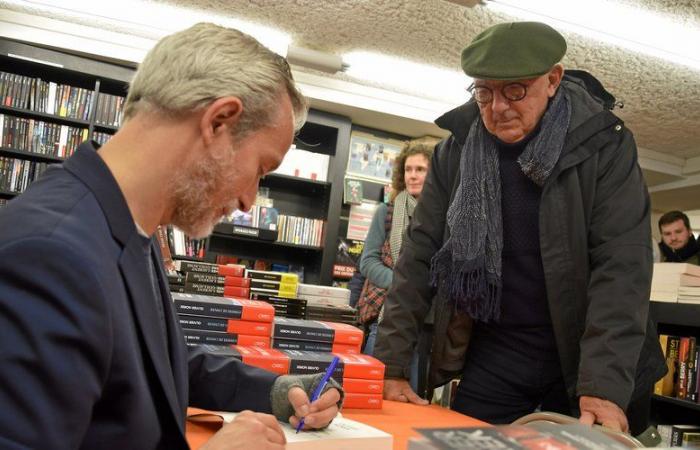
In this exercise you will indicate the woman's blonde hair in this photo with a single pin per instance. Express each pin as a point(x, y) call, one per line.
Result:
point(191, 68)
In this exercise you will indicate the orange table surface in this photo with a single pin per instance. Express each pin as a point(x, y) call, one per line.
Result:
point(395, 418)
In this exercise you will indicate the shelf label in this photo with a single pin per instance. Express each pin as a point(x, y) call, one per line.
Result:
point(246, 231)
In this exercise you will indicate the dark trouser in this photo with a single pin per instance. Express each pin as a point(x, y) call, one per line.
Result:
point(500, 385)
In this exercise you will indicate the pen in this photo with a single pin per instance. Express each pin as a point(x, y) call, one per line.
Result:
point(317, 392)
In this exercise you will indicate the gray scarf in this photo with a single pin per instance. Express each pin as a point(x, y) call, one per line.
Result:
point(404, 204)
point(467, 269)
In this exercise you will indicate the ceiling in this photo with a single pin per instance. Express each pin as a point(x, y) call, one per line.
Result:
point(661, 99)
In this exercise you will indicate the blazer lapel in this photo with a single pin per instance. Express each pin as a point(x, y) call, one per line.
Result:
point(135, 272)
point(178, 348)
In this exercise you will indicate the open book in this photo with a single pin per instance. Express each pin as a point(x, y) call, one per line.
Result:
point(341, 434)
point(534, 436)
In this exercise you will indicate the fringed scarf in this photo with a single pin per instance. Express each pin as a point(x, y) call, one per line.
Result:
point(467, 269)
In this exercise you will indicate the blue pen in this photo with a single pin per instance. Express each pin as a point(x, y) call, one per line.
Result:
point(317, 392)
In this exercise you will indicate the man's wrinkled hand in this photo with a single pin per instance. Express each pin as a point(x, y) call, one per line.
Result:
point(248, 427)
point(317, 414)
point(603, 412)
point(400, 391)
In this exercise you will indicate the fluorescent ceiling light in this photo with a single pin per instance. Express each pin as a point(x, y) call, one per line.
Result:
point(150, 19)
point(635, 29)
point(427, 81)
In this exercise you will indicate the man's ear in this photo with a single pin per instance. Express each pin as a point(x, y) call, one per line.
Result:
point(221, 116)
point(554, 78)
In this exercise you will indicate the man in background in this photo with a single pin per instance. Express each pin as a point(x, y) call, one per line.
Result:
point(91, 353)
point(531, 243)
point(677, 241)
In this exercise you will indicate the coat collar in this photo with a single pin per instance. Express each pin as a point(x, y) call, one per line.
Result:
point(89, 167)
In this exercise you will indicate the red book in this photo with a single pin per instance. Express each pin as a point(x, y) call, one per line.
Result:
point(317, 331)
point(199, 337)
point(268, 359)
point(248, 327)
point(344, 333)
point(227, 308)
point(360, 386)
point(234, 291)
point(237, 281)
point(216, 279)
point(200, 267)
point(225, 325)
point(361, 366)
point(350, 349)
point(362, 401)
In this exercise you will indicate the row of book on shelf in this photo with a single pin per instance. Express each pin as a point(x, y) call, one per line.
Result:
point(290, 229)
point(40, 137)
point(676, 283)
point(254, 317)
point(35, 94)
point(682, 379)
point(17, 174)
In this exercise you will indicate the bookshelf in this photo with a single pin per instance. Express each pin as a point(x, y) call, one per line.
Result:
point(106, 83)
point(47, 104)
point(680, 319)
point(293, 196)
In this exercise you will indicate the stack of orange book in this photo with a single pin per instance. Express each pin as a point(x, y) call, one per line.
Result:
point(224, 321)
point(361, 376)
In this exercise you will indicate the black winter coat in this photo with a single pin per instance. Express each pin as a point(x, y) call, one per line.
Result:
point(595, 238)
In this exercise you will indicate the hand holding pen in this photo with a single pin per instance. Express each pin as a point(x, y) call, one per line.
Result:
point(318, 411)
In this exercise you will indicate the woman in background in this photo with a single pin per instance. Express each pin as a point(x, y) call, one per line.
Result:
point(383, 240)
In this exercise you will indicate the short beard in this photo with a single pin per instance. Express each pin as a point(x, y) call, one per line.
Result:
point(192, 193)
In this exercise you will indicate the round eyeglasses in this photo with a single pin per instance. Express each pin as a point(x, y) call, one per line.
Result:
point(512, 92)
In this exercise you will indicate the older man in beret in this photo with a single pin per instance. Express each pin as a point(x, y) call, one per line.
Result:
point(531, 243)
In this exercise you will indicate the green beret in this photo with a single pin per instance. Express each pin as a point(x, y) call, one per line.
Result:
point(513, 51)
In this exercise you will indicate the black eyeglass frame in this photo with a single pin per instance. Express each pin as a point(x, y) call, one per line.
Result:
point(471, 89)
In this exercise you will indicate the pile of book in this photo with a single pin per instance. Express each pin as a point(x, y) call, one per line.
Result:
point(313, 335)
point(224, 321)
point(361, 376)
point(682, 379)
point(327, 303)
point(676, 282)
point(276, 288)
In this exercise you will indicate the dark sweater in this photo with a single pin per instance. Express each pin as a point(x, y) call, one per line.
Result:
point(525, 319)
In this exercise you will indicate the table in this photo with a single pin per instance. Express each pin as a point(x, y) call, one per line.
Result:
point(395, 418)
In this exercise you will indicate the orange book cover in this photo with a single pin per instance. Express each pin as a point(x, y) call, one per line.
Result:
point(237, 281)
point(362, 401)
point(253, 341)
point(249, 327)
point(361, 366)
point(231, 270)
point(344, 333)
point(360, 386)
point(265, 358)
point(256, 311)
point(238, 292)
point(352, 349)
